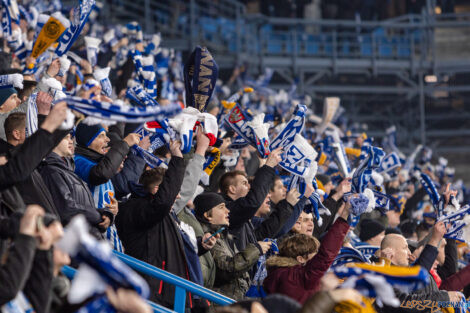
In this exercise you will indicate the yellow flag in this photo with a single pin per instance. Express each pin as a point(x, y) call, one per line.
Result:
point(50, 32)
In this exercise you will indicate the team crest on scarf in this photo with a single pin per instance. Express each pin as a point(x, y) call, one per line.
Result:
point(200, 76)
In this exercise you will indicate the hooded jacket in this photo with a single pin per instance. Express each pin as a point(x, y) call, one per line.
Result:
point(287, 276)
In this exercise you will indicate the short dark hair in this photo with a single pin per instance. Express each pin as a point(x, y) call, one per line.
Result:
point(276, 178)
point(298, 245)
point(14, 121)
point(28, 88)
point(152, 177)
point(162, 151)
point(228, 179)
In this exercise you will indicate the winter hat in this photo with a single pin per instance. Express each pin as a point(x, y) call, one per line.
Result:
point(85, 134)
point(370, 229)
point(205, 202)
point(5, 93)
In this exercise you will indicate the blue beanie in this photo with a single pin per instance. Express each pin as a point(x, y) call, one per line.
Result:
point(85, 134)
point(5, 93)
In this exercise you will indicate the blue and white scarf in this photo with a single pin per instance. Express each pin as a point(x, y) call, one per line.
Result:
point(32, 115)
point(349, 255)
point(200, 76)
point(254, 131)
point(293, 127)
point(99, 267)
point(362, 175)
point(80, 17)
point(151, 160)
point(118, 113)
point(18, 305)
point(145, 72)
point(7, 18)
point(390, 163)
point(139, 96)
point(406, 279)
point(367, 250)
point(102, 75)
point(431, 190)
point(11, 80)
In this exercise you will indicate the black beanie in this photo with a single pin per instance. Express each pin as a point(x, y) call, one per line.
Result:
point(370, 229)
point(206, 201)
point(85, 134)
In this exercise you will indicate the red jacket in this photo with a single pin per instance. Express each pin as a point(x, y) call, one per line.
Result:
point(286, 276)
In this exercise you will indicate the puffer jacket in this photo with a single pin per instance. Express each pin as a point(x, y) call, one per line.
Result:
point(70, 193)
point(232, 278)
point(289, 277)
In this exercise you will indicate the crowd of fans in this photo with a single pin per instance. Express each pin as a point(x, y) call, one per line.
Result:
point(225, 213)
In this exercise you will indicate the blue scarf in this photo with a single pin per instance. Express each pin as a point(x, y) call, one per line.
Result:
point(80, 16)
point(363, 174)
point(200, 76)
point(390, 163)
point(293, 127)
point(109, 111)
point(431, 190)
point(139, 96)
point(145, 73)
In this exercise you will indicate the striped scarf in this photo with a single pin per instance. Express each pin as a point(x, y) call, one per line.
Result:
point(145, 72)
point(32, 115)
point(363, 174)
point(71, 34)
point(99, 267)
point(113, 238)
point(406, 279)
point(118, 113)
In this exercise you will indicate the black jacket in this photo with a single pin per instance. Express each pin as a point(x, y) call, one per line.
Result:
point(27, 158)
point(149, 233)
point(39, 284)
point(130, 174)
point(14, 273)
point(108, 164)
point(332, 205)
point(70, 193)
point(254, 231)
point(243, 209)
point(32, 189)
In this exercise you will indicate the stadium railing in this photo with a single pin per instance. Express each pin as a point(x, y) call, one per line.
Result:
point(181, 285)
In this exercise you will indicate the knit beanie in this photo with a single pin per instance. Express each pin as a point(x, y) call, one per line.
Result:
point(205, 202)
point(5, 93)
point(370, 229)
point(85, 134)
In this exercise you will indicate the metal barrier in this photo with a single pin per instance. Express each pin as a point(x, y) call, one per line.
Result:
point(181, 285)
point(70, 273)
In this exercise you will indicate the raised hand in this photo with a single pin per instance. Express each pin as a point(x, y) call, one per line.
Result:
point(55, 117)
point(293, 196)
point(132, 139)
point(274, 157)
point(175, 148)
